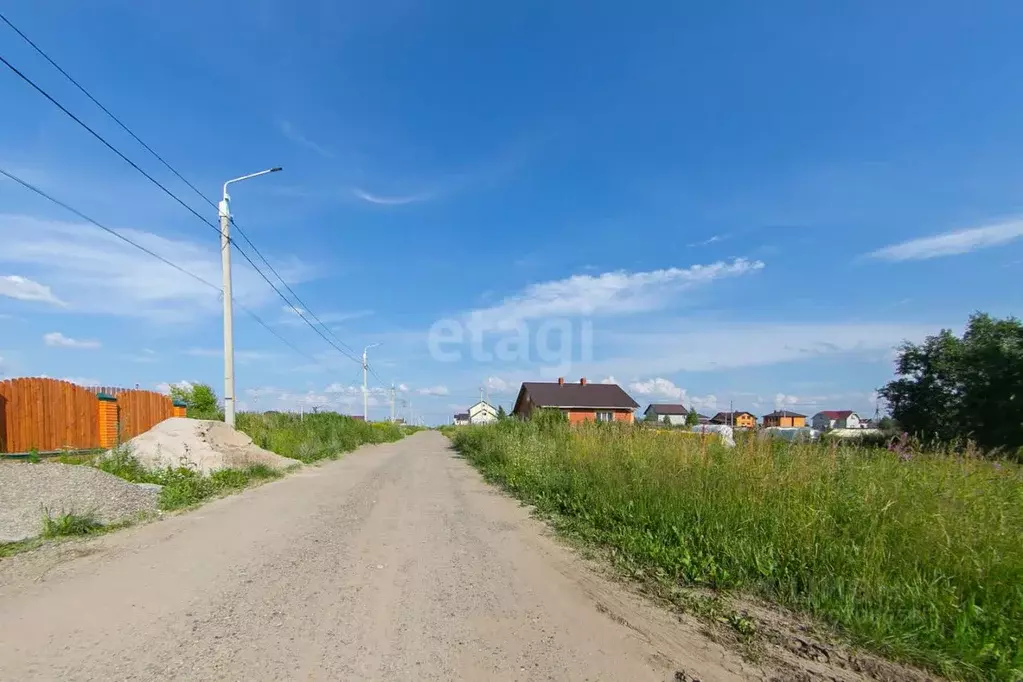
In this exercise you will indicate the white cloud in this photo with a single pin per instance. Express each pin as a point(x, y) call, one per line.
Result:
point(83, 381)
point(433, 390)
point(23, 289)
point(608, 380)
point(293, 134)
point(704, 402)
point(658, 387)
point(165, 387)
point(239, 355)
point(58, 340)
point(390, 201)
point(952, 243)
point(499, 385)
point(783, 401)
point(403, 388)
point(611, 293)
point(706, 242)
point(353, 389)
point(98, 273)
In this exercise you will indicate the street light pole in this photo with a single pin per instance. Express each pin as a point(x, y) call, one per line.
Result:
point(225, 261)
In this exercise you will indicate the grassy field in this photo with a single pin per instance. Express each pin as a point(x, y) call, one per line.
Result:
point(315, 436)
point(918, 557)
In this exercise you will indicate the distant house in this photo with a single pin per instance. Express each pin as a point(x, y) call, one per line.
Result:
point(581, 402)
point(742, 420)
point(784, 418)
point(836, 419)
point(676, 414)
point(482, 413)
point(461, 419)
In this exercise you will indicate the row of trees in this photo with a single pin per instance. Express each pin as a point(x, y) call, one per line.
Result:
point(953, 388)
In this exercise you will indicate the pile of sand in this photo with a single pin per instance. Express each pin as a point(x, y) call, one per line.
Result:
point(200, 444)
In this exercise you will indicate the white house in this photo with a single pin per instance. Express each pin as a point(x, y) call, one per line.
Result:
point(461, 419)
point(482, 413)
point(676, 414)
point(835, 419)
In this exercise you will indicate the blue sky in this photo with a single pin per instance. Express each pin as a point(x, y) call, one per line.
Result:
point(742, 202)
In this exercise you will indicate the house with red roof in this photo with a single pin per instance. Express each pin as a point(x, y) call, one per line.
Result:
point(836, 419)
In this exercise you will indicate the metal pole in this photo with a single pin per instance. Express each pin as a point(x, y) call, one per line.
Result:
point(365, 393)
point(392, 402)
point(225, 260)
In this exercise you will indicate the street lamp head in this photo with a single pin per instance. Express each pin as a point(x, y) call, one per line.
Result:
point(274, 170)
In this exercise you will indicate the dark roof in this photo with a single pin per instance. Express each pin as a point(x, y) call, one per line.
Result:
point(462, 415)
point(665, 408)
point(785, 413)
point(553, 394)
point(836, 414)
point(725, 417)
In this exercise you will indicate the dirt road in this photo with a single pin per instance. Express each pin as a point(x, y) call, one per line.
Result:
point(394, 563)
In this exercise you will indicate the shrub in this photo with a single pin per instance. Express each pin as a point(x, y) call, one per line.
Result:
point(69, 525)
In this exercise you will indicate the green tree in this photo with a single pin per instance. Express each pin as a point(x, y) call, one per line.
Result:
point(692, 419)
point(201, 400)
point(971, 387)
point(666, 420)
point(501, 414)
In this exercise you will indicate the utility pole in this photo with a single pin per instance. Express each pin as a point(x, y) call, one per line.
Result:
point(224, 211)
point(365, 393)
point(731, 413)
point(225, 263)
point(392, 402)
point(365, 386)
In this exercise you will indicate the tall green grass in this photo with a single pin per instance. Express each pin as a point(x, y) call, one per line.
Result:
point(917, 557)
point(314, 436)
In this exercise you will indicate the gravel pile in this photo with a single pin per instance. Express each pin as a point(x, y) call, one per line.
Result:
point(28, 491)
point(200, 444)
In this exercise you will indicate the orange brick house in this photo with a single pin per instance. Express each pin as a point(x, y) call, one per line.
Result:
point(784, 418)
point(742, 420)
point(581, 402)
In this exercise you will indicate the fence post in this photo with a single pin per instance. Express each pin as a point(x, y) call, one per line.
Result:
point(180, 409)
point(108, 422)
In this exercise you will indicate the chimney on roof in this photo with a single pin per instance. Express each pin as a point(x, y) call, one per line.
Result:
point(582, 382)
point(561, 381)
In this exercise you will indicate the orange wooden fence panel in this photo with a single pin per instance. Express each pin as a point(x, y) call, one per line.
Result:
point(46, 414)
point(141, 411)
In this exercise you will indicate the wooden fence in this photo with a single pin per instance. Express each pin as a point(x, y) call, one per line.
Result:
point(48, 414)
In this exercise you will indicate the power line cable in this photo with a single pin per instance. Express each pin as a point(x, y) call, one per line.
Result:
point(171, 169)
point(347, 353)
point(152, 253)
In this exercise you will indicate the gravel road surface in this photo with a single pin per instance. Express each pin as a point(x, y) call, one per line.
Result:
point(395, 563)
